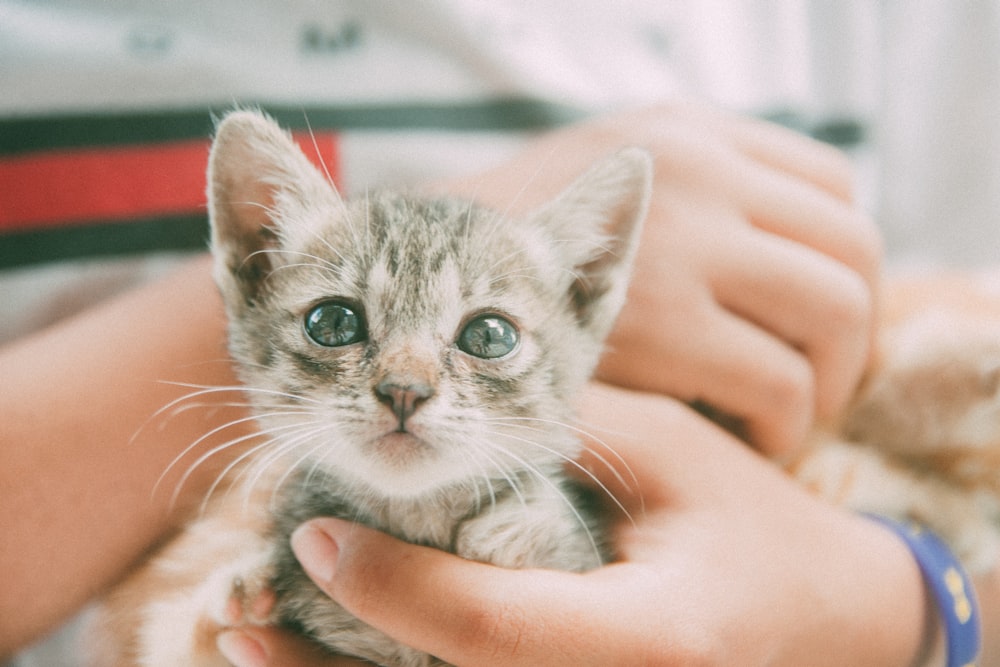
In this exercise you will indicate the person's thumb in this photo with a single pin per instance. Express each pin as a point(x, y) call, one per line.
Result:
point(463, 612)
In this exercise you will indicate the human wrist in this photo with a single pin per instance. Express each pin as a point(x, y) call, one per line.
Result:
point(953, 634)
point(893, 620)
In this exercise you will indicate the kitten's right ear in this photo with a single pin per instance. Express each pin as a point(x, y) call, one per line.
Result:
point(258, 180)
point(596, 223)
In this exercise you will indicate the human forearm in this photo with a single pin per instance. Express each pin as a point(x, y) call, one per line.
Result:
point(79, 455)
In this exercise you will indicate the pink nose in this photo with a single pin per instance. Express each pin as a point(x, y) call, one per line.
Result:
point(403, 400)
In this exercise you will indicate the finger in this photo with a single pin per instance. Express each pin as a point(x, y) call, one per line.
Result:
point(732, 365)
point(805, 298)
point(638, 431)
point(778, 147)
point(793, 153)
point(679, 458)
point(789, 189)
point(463, 612)
point(271, 647)
point(784, 206)
point(755, 377)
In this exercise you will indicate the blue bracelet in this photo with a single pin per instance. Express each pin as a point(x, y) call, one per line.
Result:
point(950, 586)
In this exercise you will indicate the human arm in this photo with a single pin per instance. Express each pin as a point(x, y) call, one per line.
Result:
point(80, 455)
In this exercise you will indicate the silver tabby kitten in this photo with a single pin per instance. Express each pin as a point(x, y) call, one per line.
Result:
point(412, 363)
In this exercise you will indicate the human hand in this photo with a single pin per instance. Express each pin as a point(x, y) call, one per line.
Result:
point(727, 562)
point(753, 287)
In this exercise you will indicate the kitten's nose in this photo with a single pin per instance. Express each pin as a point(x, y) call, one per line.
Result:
point(402, 399)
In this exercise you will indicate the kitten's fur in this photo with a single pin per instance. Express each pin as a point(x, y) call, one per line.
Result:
point(480, 470)
point(477, 468)
point(922, 437)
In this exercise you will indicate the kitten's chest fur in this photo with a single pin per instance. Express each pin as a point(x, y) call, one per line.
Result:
point(432, 520)
point(518, 522)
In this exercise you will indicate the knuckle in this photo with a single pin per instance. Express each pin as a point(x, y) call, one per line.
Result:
point(865, 245)
point(789, 388)
point(850, 305)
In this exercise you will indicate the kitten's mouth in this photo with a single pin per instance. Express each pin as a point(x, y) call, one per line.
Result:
point(399, 448)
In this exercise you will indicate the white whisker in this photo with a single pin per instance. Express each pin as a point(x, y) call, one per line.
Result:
point(575, 464)
point(507, 474)
point(280, 440)
point(218, 449)
point(290, 469)
point(612, 468)
point(203, 390)
point(546, 480)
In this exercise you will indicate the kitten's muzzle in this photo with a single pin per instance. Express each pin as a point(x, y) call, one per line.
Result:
point(403, 399)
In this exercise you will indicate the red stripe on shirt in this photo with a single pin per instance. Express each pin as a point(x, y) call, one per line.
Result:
point(63, 188)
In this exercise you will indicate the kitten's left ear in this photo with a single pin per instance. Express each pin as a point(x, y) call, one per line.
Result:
point(596, 223)
point(259, 182)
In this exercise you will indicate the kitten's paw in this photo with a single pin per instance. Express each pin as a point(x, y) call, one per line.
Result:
point(249, 603)
point(241, 593)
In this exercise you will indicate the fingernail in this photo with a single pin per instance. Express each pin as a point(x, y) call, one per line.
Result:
point(317, 552)
point(241, 649)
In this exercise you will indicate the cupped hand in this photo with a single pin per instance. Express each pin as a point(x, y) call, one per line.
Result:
point(753, 290)
point(724, 561)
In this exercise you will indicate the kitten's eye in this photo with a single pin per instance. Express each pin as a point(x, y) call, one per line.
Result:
point(488, 337)
point(333, 324)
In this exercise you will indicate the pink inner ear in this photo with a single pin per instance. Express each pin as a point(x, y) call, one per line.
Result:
point(260, 178)
point(252, 160)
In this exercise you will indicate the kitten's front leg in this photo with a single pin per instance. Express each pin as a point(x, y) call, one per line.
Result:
point(214, 575)
point(181, 629)
point(543, 525)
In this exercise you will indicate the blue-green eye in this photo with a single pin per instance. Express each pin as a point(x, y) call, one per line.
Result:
point(488, 337)
point(333, 324)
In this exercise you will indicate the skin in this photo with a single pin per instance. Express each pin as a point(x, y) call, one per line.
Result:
point(63, 461)
point(750, 227)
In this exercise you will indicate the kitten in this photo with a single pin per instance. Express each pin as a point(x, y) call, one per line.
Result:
point(411, 363)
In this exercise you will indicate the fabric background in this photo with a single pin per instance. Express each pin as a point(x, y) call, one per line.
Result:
point(107, 107)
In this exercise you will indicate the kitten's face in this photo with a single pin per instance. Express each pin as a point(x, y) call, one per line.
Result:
point(415, 360)
point(402, 344)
